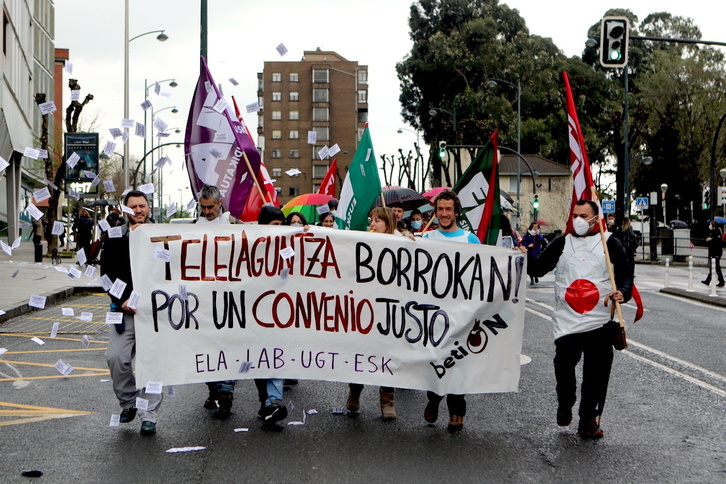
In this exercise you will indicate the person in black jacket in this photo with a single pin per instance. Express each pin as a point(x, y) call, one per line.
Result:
point(582, 290)
point(116, 265)
point(715, 251)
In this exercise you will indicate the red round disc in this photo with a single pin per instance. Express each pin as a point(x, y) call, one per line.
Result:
point(582, 296)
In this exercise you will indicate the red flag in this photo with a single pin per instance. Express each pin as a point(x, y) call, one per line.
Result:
point(328, 185)
point(254, 203)
point(582, 183)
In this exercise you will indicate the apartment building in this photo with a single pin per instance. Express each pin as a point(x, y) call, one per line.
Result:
point(323, 93)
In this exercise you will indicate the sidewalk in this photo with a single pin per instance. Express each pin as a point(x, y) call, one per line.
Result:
point(22, 277)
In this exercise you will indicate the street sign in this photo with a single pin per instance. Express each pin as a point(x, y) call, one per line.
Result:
point(642, 203)
point(608, 206)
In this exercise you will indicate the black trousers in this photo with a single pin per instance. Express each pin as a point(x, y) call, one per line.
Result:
point(596, 347)
point(456, 403)
point(718, 270)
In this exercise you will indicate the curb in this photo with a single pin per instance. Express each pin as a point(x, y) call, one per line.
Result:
point(704, 298)
point(52, 298)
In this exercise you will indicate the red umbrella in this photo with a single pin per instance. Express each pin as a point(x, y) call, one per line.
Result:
point(431, 194)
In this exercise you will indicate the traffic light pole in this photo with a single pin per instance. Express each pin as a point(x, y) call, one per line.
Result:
point(712, 181)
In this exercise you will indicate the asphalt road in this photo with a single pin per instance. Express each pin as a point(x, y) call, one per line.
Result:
point(663, 421)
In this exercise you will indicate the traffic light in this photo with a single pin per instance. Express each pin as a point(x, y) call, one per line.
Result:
point(614, 37)
point(535, 202)
point(706, 199)
point(722, 195)
point(442, 149)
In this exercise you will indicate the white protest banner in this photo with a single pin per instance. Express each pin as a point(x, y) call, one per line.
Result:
point(355, 307)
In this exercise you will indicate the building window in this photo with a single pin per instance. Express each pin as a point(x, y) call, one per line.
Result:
point(362, 117)
point(320, 114)
point(277, 153)
point(276, 77)
point(260, 84)
point(278, 190)
point(363, 96)
point(320, 76)
point(294, 134)
point(277, 96)
point(360, 133)
point(294, 191)
point(319, 171)
point(294, 115)
point(320, 95)
point(362, 77)
point(316, 187)
point(323, 133)
point(277, 172)
point(276, 115)
point(294, 153)
point(294, 77)
point(294, 96)
point(276, 134)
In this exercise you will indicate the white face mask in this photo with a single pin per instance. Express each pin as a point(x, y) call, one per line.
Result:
point(532, 232)
point(581, 225)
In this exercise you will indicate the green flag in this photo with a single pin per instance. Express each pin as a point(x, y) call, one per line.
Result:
point(360, 189)
point(478, 190)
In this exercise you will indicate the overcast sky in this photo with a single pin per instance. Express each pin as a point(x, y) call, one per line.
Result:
point(243, 35)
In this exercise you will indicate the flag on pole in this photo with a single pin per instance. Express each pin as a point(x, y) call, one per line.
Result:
point(579, 163)
point(478, 190)
point(582, 184)
point(328, 185)
point(214, 144)
point(360, 189)
point(254, 203)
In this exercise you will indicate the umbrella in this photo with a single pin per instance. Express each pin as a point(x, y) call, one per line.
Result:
point(307, 204)
point(542, 223)
point(431, 194)
point(410, 199)
point(678, 224)
point(720, 220)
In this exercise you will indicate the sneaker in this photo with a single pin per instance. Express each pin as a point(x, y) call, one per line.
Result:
point(720, 284)
point(148, 428)
point(289, 382)
point(261, 411)
point(456, 423)
point(590, 429)
point(564, 416)
point(275, 413)
point(225, 406)
point(210, 403)
point(388, 412)
point(353, 403)
point(706, 282)
point(431, 412)
point(127, 415)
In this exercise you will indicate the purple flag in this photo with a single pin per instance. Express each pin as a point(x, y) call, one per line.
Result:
point(214, 144)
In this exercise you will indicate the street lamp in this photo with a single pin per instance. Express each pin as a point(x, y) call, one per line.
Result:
point(713, 167)
point(418, 156)
point(493, 83)
point(162, 37)
point(435, 111)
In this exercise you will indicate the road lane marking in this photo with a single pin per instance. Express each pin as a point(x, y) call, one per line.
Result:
point(675, 359)
point(34, 413)
point(677, 373)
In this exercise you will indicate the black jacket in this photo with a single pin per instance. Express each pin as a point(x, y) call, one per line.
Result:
point(116, 264)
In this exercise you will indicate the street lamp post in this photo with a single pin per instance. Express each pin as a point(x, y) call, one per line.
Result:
point(493, 83)
point(162, 37)
point(722, 172)
point(712, 173)
point(418, 155)
point(434, 112)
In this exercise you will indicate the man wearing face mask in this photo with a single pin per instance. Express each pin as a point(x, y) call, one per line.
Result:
point(582, 292)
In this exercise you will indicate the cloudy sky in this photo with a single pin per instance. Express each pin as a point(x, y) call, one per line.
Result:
point(243, 35)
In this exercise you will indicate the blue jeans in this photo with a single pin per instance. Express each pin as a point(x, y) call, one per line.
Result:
point(274, 391)
point(216, 387)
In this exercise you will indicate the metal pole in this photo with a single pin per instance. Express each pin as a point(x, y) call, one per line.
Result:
point(712, 273)
point(519, 150)
point(126, 91)
point(203, 30)
point(667, 272)
point(690, 274)
point(626, 154)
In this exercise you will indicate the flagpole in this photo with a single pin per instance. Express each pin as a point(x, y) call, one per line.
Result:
point(607, 262)
point(254, 178)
